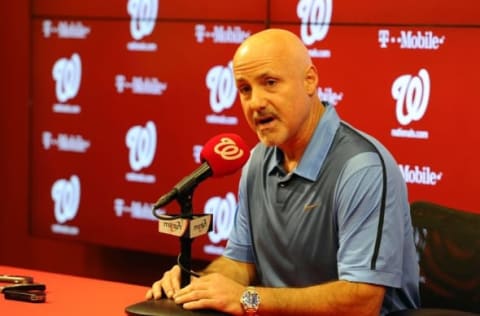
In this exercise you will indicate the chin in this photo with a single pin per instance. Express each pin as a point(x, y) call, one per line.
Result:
point(268, 140)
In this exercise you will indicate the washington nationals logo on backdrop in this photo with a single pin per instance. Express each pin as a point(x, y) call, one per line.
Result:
point(412, 94)
point(142, 144)
point(143, 14)
point(315, 17)
point(223, 213)
point(67, 74)
point(221, 84)
point(66, 199)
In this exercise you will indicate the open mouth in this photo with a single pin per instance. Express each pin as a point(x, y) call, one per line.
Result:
point(264, 120)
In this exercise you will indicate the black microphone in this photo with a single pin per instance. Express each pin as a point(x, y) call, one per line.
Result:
point(221, 155)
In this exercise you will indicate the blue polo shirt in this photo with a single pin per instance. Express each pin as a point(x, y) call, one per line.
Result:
point(342, 214)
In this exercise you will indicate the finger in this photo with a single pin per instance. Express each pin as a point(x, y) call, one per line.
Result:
point(171, 282)
point(157, 290)
point(149, 294)
point(183, 291)
point(188, 294)
point(168, 288)
point(175, 280)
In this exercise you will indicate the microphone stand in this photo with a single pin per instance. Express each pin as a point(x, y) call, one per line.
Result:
point(187, 227)
point(185, 259)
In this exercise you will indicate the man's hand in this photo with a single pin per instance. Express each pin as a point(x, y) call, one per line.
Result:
point(169, 284)
point(212, 291)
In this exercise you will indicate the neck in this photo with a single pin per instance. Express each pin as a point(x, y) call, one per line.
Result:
point(293, 150)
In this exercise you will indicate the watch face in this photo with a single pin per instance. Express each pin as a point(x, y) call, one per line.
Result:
point(250, 299)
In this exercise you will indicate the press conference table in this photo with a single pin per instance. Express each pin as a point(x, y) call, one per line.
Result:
point(71, 295)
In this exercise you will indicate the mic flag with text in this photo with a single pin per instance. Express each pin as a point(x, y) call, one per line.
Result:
point(222, 155)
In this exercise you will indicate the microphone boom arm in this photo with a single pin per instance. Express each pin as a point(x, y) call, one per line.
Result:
point(185, 185)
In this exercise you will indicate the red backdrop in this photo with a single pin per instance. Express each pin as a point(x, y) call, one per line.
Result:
point(124, 94)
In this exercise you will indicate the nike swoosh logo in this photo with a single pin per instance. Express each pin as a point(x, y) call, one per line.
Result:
point(309, 207)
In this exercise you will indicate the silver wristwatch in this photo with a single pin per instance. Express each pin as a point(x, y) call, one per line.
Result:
point(250, 301)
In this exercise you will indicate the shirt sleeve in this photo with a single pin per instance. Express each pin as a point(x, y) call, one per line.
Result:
point(358, 199)
point(239, 244)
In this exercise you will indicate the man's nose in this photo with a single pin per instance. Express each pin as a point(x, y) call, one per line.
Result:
point(256, 101)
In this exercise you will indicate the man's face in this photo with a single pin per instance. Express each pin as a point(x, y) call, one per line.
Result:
point(273, 96)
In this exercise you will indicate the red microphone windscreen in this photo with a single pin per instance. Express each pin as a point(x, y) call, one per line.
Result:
point(225, 154)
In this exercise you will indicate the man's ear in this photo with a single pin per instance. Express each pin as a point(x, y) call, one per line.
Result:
point(311, 80)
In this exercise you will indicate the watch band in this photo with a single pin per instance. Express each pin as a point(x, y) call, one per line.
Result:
point(250, 312)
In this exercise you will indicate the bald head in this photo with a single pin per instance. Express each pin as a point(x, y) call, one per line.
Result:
point(273, 44)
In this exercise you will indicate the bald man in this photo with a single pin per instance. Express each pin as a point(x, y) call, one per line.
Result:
point(322, 225)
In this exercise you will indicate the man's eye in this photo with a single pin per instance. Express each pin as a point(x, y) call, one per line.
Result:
point(270, 82)
point(244, 89)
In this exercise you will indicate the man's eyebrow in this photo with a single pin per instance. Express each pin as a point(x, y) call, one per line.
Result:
point(259, 76)
point(240, 80)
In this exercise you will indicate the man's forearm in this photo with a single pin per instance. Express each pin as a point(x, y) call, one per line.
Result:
point(243, 273)
point(335, 298)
